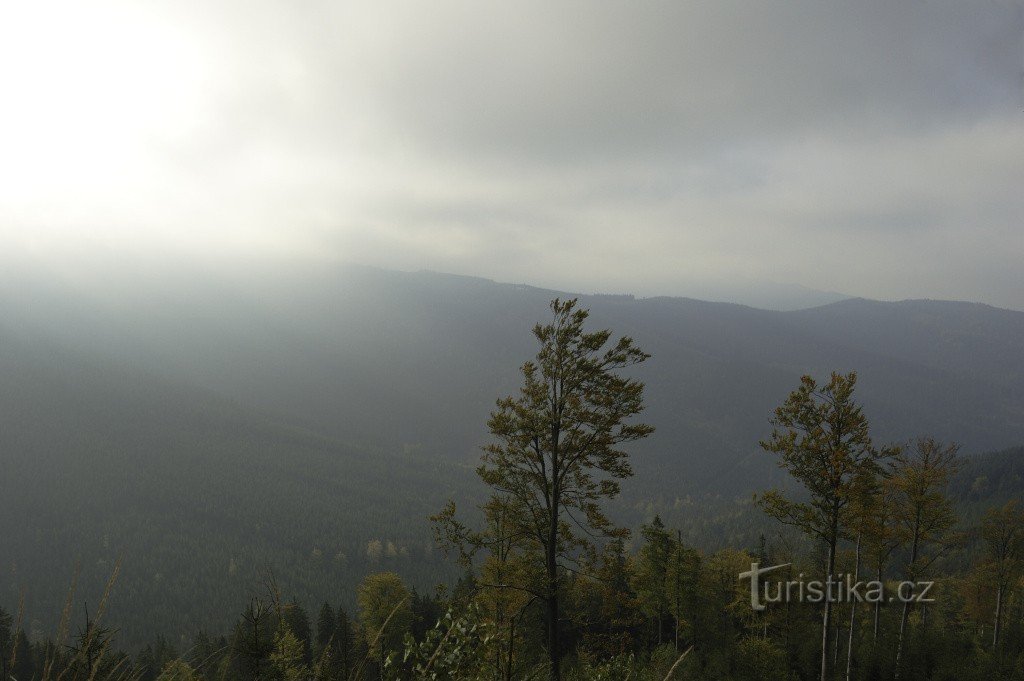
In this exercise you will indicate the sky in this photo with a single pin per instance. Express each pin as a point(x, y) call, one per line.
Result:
point(875, 148)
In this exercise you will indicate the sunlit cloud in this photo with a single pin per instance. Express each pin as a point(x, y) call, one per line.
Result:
point(876, 149)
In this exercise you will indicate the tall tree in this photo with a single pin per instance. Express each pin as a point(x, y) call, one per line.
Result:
point(386, 613)
point(297, 621)
point(557, 449)
point(612, 613)
point(821, 436)
point(6, 643)
point(287, 657)
point(344, 654)
point(253, 639)
point(510, 577)
point(881, 537)
point(862, 516)
point(652, 568)
point(1002, 531)
point(325, 626)
point(924, 513)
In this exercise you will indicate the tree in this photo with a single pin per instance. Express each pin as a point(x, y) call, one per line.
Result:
point(287, 659)
point(343, 645)
point(862, 514)
point(881, 536)
point(253, 640)
point(652, 568)
point(557, 450)
point(508, 579)
point(385, 612)
point(177, 670)
point(91, 655)
point(821, 436)
point(923, 512)
point(455, 649)
point(610, 604)
point(297, 621)
point(426, 611)
point(325, 626)
point(154, 658)
point(6, 643)
point(1003, 534)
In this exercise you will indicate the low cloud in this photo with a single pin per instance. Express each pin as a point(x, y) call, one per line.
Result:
point(875, 148)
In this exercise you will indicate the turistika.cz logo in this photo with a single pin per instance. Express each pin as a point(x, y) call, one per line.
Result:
point(835, 589)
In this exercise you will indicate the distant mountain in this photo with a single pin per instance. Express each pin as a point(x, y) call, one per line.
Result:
point(415, 360)
point(207, 422)
point(766, 295)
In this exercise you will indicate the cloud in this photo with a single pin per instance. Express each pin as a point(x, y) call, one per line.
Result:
point(874, 148)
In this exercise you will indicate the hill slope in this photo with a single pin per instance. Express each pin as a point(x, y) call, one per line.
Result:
point(198, 496)
point(207, 423)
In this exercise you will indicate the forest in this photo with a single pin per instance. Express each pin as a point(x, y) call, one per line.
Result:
point(550, 586)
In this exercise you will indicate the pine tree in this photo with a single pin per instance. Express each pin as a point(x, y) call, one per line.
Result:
point(652, 567)
point(287, 657)
point(6, 643)
point(326, 623)
point(253, 639)
point(344, 654)
point(297, 621)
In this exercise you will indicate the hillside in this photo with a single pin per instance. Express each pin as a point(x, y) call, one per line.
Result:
point(198, 496)
point(222, 422)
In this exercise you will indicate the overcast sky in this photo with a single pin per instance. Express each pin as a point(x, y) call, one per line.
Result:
point(872, 148)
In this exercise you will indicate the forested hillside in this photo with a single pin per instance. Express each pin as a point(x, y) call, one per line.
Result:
point(198, 496)
point(221, 425)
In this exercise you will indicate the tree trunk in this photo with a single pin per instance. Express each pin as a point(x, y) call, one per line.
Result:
point(678, 566)
point(551, 618)
point(911, 575)
point(511, 643)
point(789, 603)
point(826, 619)
point(853, 612)
point(878, 607)
point(999, 617)
point(835, 644)
point(899, 638)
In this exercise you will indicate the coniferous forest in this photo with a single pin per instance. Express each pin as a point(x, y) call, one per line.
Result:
point(543, 582)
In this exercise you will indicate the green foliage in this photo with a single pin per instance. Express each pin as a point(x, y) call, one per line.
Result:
point(558, 442)
point(385, 613)
point(178, 670)
point(326, 623)
point(821, 437)
point(655, 592)
point(557, 454)
point(287, 660)
point(618, 667)
point(924, 512)
point(457, 648)
point(758, 658)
